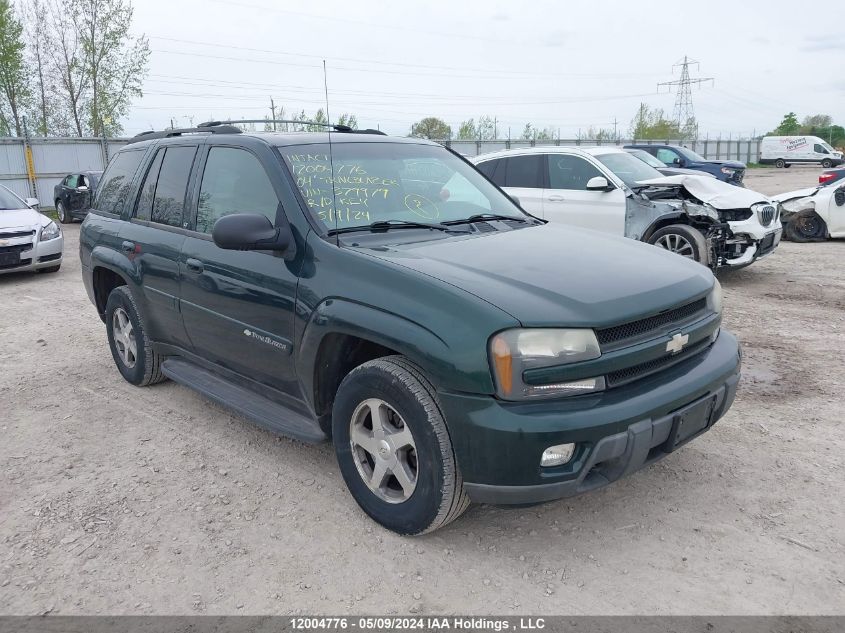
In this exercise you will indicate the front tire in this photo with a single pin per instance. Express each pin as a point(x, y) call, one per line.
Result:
point(682, 240)
point(131, 348)
point(393, 447)
point(806, 226)
point(64, 216)
point(827, 164)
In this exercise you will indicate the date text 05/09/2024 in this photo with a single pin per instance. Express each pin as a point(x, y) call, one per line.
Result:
point(400, 623)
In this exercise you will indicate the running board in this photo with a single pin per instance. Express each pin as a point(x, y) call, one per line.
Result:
point(264, 412)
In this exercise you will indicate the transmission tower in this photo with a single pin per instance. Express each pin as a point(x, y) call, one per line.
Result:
point(684, 113)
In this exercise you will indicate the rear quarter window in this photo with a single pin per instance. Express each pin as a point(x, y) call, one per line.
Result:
point(116, 183)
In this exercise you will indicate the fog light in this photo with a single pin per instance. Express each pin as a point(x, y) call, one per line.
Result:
point(557, 455)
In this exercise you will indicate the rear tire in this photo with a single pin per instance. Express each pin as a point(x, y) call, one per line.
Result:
point(780, 163)
point(683, 240)
point(130, 346)
point(64, 215)
point(386, 420)
point(806, 226)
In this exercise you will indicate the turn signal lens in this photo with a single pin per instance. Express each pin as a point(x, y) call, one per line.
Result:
point(503, 362)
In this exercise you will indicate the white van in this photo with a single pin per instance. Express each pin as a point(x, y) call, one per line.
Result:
point(782, 151)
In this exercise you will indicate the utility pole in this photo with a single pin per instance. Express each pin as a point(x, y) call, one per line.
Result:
point(615, 134)
point(273, 110)
point(684, 113)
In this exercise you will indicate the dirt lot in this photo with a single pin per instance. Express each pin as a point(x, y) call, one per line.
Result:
point(121, 500)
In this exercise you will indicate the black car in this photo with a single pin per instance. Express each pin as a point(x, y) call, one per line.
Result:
point(73, 195)
point(652, 161)
point(731, 171)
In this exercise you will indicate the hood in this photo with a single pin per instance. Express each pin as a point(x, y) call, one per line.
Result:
point(800, 193)
point(557, 275)
point(733, 164)
point(680, 171)
point(22, 218)
point(718, 194)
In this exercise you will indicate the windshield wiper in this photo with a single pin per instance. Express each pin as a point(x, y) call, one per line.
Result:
point(386, 225)
point(480, 217)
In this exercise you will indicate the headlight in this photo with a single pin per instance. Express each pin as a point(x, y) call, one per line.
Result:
point(50, 232)
point(714, 299)
point(513, 352)
point(798, 204)
point(728, 171)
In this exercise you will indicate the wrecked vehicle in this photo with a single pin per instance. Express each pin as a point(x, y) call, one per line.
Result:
point(607, 189)
point(813, 214)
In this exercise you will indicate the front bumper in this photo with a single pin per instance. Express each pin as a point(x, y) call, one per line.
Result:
point(498, 445)
point(32, 254)
point(750, 241)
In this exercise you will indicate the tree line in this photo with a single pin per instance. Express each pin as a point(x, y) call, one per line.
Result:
point(820, 125)
point(69, 67)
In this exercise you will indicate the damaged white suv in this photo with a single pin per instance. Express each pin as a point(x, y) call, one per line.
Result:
point(607, 189)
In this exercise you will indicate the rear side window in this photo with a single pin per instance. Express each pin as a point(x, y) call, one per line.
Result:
point(233, 181)
point(172, 183)
point(488, 168)
point(162, 198)
point(524, 171)
point(117, 181)
point(570, 172)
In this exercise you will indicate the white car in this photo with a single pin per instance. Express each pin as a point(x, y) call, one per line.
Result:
point(814, 214)
point(29, 240)
point(607, 189)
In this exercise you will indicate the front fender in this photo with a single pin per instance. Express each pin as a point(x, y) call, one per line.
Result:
point(444, 365)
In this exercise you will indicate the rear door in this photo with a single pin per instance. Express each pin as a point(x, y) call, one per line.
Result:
point(239, 305)
point(520, 176)
point(153, 239)
point(567, 199)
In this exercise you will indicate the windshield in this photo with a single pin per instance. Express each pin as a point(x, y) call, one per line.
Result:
point(630, 169)
point(8, 200)
point(647, 158)
point(383, 182)
point(827, 147)
point(690, 155)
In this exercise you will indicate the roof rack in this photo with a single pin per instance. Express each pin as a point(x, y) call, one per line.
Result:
point(335, 126)
point(213, 128)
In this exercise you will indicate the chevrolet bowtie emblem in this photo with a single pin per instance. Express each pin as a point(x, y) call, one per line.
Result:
point(677, 342)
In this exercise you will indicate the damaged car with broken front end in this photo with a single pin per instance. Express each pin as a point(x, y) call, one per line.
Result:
point(814, 214)
point(607, 189)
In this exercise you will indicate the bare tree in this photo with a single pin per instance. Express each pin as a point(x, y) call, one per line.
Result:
point(37, 31)
point(67, 59)
point(116, 63)
point(14, 87)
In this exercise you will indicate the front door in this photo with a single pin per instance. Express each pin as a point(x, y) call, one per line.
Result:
point(73, 198)
point(238, 306)
point(568, 200)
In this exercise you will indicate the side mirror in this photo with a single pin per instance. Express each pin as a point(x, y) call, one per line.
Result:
point(515, 200)
point(676, 161)
point(32, 203)
point(82, 188)
point(249, 232)
point(598, 183)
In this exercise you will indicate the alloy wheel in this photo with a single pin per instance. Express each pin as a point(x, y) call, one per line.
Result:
point(384, 451)
point(677, 244)
point(124, 338)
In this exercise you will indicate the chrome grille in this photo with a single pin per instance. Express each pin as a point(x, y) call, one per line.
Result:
point(7, 235)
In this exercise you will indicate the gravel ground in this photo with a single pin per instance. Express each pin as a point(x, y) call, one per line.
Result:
point(121, 500)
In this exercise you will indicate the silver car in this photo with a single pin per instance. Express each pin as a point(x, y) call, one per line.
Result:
point(29, 240)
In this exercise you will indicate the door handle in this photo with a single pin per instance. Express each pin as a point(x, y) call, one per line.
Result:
point(194, 265)
point(556, 198)
point(128, 247)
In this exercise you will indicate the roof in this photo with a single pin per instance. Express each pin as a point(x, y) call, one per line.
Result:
point(550, 149)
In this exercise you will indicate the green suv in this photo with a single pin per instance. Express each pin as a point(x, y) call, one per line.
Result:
point(382, 293)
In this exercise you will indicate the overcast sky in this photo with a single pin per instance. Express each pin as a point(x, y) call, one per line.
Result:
point(566, 65)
